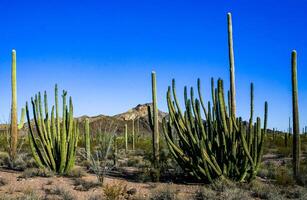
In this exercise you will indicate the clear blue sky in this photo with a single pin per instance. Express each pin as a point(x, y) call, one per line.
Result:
point(103, 52)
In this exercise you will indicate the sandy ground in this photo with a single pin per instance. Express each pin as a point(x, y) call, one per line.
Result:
point(42, 187)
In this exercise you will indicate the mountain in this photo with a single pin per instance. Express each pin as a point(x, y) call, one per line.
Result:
point(103, 123)
point(137, 115)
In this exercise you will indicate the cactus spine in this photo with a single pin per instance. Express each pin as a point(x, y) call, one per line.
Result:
point(14, 123)
point(87, 139)
point(51, 148)
point(126, 138)
point(295, 112)
point(153, 121)
point(232, 66)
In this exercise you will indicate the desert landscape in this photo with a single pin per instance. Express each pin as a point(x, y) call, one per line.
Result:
point(198, 148)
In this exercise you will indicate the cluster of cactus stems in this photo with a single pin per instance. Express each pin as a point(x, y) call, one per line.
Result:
point(295, 112)
point(14, 124)
point(87, 139)
point(220, 145)
point(53, 142)
point(153, 121)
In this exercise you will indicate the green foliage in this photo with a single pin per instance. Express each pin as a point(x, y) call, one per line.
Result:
point(53, 144)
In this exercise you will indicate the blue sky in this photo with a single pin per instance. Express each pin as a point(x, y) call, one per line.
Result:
point(103, 52)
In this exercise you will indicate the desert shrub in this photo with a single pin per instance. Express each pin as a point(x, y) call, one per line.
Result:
point(61, 193)
point(165, 193)
point(220, 185)
point(204, 194)
point(284, 176)
point(260, 190)
point(76, 172)
point(82, 185)
point(3, 181)
point(34, 172)
point(114, 192)
point(29, 194)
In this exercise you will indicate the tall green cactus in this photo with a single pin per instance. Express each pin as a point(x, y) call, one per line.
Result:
point(87, 139)
point(295, 112)
point(53, 143)
point(133, 135)
point(232, 67)
point(220, 146)
point(14, 122)
point(126, 138)
point(153, 121)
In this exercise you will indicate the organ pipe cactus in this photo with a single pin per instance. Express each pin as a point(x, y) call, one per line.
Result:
point(217, 146)
point(126, 138)
point(232, 67)
point(14, 123)
point(87, 139)
point(133, 134)
point(153, 121)
point(296, 129)
point(53, 142)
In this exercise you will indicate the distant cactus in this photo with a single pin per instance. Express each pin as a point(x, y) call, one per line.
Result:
point(295, 112)
point(126, 138)
point(133, 135)
point(153, 121)
point(53, 144)
point(115, 150)
point(87, 139)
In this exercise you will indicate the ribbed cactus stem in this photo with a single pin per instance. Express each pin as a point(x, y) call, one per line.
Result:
point(51, 147)
point(155, 121)
point(232, 66)
point(87, 139)
point(115, 151)
point(126, 138)
point(295, 112)
point(22, 118)
point(14, 123)
point(133, 135)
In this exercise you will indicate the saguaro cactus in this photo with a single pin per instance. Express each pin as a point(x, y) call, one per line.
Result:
point(53, 144)
point(295, 112)
point(153, 121)
point(87, 139)
point(14, 123)
point(232, 66)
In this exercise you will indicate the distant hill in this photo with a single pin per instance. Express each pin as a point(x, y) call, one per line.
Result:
point(138, 114)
